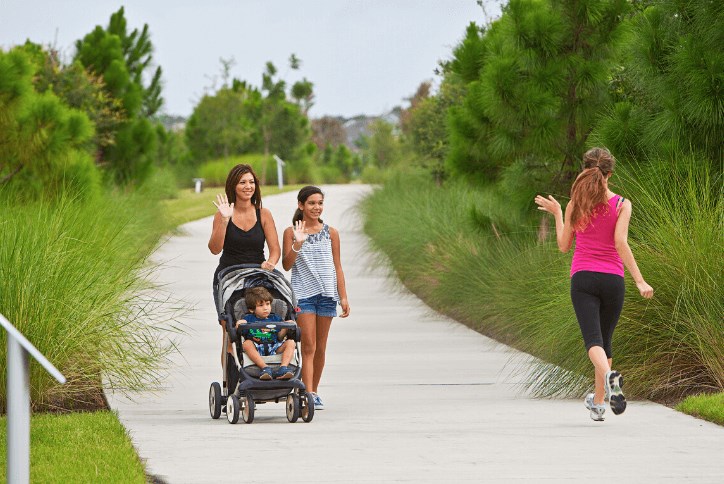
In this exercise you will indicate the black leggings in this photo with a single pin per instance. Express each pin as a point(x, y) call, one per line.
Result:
point(597, 299)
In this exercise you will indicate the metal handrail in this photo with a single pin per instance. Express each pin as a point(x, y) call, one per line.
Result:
point(18, 400)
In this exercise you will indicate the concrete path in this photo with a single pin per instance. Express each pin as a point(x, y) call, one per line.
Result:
point(396, 412)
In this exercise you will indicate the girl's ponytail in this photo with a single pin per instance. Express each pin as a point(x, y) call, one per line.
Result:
point(589, 190)
point(297, 216)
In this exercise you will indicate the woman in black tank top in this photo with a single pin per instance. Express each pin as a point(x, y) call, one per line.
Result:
point(241, 226)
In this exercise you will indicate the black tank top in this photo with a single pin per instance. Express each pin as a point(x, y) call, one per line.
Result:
point(243, 247)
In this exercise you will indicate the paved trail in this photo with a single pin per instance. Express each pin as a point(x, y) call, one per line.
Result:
point(396, 412)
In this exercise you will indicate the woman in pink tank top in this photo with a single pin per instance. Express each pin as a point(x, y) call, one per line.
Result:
point(598, 220)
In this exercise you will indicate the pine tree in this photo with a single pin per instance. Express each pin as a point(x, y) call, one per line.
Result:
point(122, 58)
point(543, 78)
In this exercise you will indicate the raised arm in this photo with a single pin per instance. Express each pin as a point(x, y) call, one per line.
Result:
point(221, 220)
point(624, 250)
point(292, 242)
point(341, 284)
point(564, 231)
point(272, 239)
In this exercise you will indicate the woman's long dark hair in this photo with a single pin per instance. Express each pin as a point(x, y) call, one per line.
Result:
point(233, 179)
point(302, 196)
point(589, 190)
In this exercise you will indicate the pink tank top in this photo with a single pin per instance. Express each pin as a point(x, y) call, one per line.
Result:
point(595, 246)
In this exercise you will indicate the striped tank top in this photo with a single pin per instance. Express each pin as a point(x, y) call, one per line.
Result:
point(313, 271)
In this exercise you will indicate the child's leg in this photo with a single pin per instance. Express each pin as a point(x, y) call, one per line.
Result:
point(323, 326)
point(252, 353)
point(287, 351)
point(308, 323)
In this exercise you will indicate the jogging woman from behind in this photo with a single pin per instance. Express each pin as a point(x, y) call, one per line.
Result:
point(598, 219)
point(311, 251)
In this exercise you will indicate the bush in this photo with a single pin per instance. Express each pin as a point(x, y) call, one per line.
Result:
point(73, 281)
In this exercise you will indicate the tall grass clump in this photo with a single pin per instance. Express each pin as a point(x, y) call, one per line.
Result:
point(72, 276)
point(465, 244)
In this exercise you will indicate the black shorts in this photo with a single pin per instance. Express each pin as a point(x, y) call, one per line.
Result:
point(597, 300)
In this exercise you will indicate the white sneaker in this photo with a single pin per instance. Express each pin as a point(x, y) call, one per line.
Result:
point(613, 383)
point(596, 410)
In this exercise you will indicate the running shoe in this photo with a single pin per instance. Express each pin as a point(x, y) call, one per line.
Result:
point(613, 383)
point(597, 411)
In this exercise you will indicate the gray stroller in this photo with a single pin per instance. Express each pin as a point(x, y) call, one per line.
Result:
point(241, 389)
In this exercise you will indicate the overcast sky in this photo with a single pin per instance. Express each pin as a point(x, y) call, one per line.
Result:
point(363, 56)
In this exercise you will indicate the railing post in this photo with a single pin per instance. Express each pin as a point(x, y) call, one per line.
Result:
point(18, 406)
point(18, 400)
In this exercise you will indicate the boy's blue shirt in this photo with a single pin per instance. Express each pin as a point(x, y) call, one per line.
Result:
point(258, 335)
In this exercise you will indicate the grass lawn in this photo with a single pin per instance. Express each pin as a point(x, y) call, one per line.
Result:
point(707, 406)
point(190, 206)
point(77, 447)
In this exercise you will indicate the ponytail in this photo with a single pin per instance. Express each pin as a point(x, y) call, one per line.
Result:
point(302, 196)
point(588, 193)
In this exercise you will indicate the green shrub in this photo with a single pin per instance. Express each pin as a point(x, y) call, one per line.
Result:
point(302, 171)
point(74, 281)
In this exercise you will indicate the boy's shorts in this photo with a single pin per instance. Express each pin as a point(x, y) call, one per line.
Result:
point(320, 305)
point(268, 349)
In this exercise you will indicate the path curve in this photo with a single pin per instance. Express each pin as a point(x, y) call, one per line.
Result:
point(395, 412)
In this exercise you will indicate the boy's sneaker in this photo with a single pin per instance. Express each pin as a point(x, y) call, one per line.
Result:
point(283, 373)
point(613, 383)
point(266, 373)
point(318, 405)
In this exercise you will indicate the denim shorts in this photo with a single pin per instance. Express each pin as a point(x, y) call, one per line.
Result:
point(320, 305)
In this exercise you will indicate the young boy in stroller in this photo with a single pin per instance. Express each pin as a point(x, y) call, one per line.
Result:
point(246, 379)
point(265, 341)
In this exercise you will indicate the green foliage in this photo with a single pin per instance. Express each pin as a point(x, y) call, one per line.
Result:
point(74, 447)
point(542, 79)
point(223, 125)
point(383, 147)
point(122, 59)
point(707, 406)
point(43, 140)
point(73, 273)
point(244, 119)
point(426, 129)
point(516, 290)
point(215, 172)
point(674, 70)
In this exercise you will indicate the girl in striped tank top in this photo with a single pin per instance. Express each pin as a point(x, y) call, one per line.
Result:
point(598, 219)
point(311, 251)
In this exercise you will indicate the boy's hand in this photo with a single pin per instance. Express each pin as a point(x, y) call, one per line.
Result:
point(240, 322)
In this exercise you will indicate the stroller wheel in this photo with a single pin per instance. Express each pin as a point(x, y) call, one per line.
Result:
point(247, 409)
point(215, 400)
point(292, 407)
point(307, 406)
point(232, 409)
